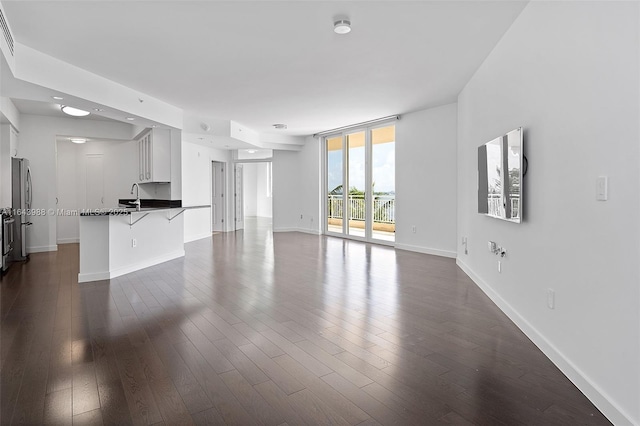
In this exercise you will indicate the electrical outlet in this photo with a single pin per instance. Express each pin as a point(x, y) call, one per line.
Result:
point(413, 229)
point(134, 243)
point(602, 188)
point(300, 216)
point(551, 298)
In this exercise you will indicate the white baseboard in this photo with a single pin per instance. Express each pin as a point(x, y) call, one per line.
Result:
point(93, 276)
point(427, 250)
point(113, 273)
point(582, 381)
point(41, 249)
point(190, 238)
point(68, 240)
point(303, 230)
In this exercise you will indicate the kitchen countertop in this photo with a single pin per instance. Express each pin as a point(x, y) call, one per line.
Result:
point(121, 211)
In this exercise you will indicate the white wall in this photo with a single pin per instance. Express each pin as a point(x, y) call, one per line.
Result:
point(257, 202)
point(196, 188)
point(296, 188)
point(426, 181)
point(250, 188)
point(5, 165)
point(568, 72)
point(119, 172)
point(38, 144)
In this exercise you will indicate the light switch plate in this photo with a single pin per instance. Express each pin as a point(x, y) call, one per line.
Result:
point(602, 188)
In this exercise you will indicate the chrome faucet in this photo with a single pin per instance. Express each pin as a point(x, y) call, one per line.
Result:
point(137, 201)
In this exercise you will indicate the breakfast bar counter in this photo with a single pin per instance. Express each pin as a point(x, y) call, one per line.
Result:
point(118, 241)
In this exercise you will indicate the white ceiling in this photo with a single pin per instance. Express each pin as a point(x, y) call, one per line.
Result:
point(265, 62)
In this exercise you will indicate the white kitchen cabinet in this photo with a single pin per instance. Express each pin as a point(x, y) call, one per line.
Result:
point(154, 156)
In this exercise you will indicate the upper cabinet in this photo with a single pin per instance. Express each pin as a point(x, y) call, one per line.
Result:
point(154, 156)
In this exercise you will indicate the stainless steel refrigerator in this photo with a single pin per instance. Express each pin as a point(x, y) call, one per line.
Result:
point(22, 196)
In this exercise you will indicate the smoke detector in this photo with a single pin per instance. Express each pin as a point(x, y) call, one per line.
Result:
point(342, 26)
point(279, 126)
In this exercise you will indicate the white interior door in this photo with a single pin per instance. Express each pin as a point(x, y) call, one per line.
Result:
point(217, 197)
point(95, 182)
point(239, 197)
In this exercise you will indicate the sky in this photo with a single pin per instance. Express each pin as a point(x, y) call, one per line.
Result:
point(384, 170)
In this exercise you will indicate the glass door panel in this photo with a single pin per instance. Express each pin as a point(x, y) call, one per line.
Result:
point(335, 193)
point(356, 178)
point(360, 182)
point(383, 169)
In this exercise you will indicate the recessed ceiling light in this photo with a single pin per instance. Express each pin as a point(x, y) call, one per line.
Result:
point(251, 151)
point(75, 112)
point(153, 125)
point(98, 109)
point(280, 126)
point(77, 140)
point(342, 26)
point(130, 118)
point(58, 98)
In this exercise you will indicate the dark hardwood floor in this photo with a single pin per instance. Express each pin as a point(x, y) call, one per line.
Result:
point(254, 328)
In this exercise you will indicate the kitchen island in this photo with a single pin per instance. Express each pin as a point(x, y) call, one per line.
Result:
point(118, 241)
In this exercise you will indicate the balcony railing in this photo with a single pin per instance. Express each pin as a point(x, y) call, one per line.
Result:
point(383, 208)
point(496, 208)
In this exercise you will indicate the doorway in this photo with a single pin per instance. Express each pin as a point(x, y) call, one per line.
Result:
point(218, 207)
point(253, 194)
point(360, 184)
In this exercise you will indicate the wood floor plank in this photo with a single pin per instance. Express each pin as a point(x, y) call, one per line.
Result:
point(259, 340)
point(312, 364)
point(254, 327)
point(349, 373)
point(277, 374)
point(194, 397)
point(381, 411)
point(251, 400)
point(251, 372)
point(274, 395)
point(218, 392)
point(345, 409)
point(313, 411)
point(89, 418)
point(142, 406)
point(85, 388)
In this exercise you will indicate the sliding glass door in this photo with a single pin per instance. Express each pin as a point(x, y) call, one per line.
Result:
point(360, 184)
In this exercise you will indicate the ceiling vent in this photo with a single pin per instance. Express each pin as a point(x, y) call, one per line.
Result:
point(7, 33)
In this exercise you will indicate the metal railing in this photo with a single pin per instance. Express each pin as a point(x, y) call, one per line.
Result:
point(496, 208)
point(384, 210)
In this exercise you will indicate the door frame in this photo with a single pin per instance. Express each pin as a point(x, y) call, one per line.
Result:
point(222, 185)
point(241, 162)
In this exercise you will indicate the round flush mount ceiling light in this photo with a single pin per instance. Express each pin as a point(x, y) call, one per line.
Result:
point(251, 151)
point(77, 140)
point(57, 98)
point(280, 126)
point(342, 26)
point(75, 112)
point(130, 118)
